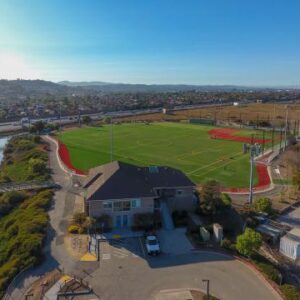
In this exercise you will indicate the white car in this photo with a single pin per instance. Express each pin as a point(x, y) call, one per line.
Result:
point(152, 245)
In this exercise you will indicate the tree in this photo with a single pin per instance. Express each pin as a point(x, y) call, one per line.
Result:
point(86, 120)
point(88, 223)
point(210, 197)
point(37, 166)
point(248, 242)
point(226, 200)
point(37, 127)
point(107, 120)
point(79, 218)
point(263, 205)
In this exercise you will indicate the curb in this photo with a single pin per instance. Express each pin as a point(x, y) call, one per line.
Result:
point(60, 162)
point(250, 266)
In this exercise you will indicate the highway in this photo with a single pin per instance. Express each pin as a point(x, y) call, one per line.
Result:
point(69, 119)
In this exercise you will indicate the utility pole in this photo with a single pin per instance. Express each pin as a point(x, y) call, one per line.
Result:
point(207, 287)
point(111, 141)
point(59, 116)
point(286, 126)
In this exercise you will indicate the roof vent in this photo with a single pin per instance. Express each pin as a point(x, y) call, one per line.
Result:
point(153, 169)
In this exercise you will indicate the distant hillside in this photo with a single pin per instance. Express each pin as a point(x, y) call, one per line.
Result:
point(128, 88)
point(18, 89)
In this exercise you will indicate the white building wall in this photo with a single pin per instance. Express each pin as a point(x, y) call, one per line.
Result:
point(289, 248)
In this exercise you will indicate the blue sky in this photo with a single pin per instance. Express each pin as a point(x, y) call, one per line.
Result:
point(241, 42)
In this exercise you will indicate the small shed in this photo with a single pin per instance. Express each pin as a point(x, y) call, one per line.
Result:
point(218, 232)
point(290, 244)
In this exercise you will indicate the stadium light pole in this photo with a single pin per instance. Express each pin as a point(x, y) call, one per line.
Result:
point(59, 116)
point(286, 123)
point(251, 174)
point(111, 141)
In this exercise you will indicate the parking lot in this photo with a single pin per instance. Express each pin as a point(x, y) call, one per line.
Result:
point(121, 248)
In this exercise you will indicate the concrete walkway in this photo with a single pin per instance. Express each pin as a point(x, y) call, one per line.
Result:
point(166, 216)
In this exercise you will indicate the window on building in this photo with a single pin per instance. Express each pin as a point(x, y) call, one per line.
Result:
point(135, 203)
point(107, 205)
point(126, 205)
point(179, 192)
point(117, 205)
point(122, 205)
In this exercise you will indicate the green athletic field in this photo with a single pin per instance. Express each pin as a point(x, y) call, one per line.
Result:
point(183, 146)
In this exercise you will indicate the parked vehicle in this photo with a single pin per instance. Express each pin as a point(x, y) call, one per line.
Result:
point(152, 245)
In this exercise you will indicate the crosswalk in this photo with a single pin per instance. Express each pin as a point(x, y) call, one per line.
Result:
point(120, 249)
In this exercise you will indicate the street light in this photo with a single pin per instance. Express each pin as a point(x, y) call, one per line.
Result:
point(207, 287)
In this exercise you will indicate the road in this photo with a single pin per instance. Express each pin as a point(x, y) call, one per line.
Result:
point(70, 119)
point(139, 277)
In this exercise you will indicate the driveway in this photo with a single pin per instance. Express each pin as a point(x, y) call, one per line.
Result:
point(174, 242)
point(121, 248)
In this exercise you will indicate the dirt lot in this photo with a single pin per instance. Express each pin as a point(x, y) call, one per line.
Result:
point(273, 113)
point(287, 164)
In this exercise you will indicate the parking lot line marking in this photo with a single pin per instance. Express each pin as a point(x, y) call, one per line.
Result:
point(106, 256)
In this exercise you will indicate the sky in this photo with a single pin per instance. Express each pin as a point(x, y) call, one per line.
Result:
point(220, 42)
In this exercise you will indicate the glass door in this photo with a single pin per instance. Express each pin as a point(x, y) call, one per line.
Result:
point(118, 221)
point(125, 221)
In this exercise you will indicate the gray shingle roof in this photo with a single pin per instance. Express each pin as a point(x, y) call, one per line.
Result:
point(117, 180)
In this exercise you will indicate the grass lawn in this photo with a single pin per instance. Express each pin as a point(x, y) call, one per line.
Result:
point(183, 146)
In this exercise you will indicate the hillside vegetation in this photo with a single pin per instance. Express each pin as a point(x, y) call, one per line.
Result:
point(23, 215)
point(25, 159)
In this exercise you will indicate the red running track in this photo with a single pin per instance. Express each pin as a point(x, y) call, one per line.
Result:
point(264, 180)
point(228, 134)
point(64, 155)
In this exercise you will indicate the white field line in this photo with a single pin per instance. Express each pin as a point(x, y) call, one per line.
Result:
point(215, 162)
point(218, 167)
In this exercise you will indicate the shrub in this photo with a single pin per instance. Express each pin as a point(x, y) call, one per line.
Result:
point(263, 205)
point(227, 244)
point(75, 229)
point(248, 242)
point(21, 234)
point(180, 218)
point(143, 221)
point(271, 271)
point(9, 200)
point(37, 166)
point(79, 218)
point(290, 292)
